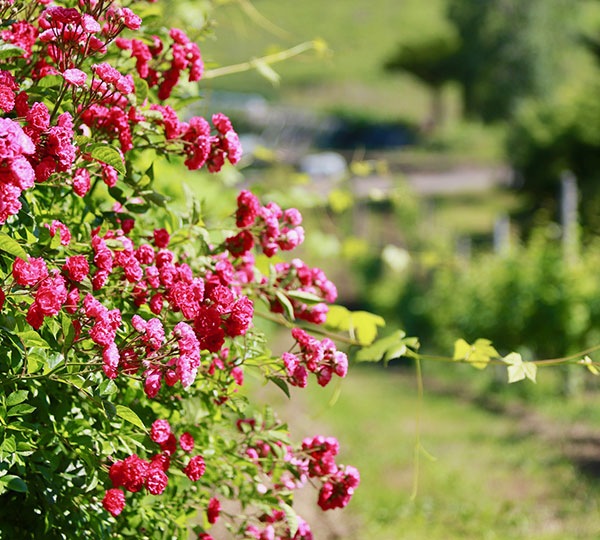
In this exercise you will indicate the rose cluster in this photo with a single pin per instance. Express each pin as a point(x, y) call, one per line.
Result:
point(161, 65)
point(339, 482)
point(129, 310)
point(315, 459)
point(134, 473)
point(319, 357)
point(45, 145)
point(268, 226)
point(16, 172)
point(275, 527)
point(296, 276)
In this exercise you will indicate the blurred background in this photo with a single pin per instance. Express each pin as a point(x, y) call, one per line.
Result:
point(446, 156)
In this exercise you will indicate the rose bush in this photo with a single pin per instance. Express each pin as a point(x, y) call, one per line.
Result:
point(126, 330)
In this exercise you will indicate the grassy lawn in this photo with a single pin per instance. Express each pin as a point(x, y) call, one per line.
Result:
point(491, 479)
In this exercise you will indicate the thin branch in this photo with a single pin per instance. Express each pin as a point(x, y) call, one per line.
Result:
point(251, 64)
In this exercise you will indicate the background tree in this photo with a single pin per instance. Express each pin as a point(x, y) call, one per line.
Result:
point(433, 63)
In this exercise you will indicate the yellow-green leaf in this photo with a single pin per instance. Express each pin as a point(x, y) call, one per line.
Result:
point(108, 154)
point(10, 245)
point(587, 362)
point(127, 414)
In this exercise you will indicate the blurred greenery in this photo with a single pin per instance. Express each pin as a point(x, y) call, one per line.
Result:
point(517, 84)
point(491, 479)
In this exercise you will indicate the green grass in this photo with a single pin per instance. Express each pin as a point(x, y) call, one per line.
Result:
point(491, 480)
point(361, 37)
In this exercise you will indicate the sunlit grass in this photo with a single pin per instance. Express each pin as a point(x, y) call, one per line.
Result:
point(491, 480)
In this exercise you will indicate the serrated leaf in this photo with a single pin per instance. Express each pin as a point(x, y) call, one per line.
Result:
point(108, 154)
point(519, 370)
point(478, 355)
point(127, 414)
point(291, 518)
point(10, 245)
point(16, 397)
point(9, 444)
point(376, 352)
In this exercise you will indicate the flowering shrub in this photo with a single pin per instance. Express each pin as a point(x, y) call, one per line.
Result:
point(124, 344)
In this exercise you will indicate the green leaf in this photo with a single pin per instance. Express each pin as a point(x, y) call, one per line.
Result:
point(281, 384)
point(35, 360)
point(107, 387)
point(365, 325)
point(8, 50)
point(461, 349)
point(16, 397)
point(361, 324)
point(10, 245)
point(376, 352)
point(305, 297)
point(287, 305)
point(513, 359)
point(587, 362)
point(55, 242)
point(82, 141)
point(396, 351)
point(108, 154)
point(156, 198)
point(32, 339)
point(18, 410)
point(127, 414)
point(109, 409)
point(53, 360)
point(291, 518)
point(115, 244)
point(50, 81)
point(478, 354)
point(519, 370)
point(14, 482)
point(118, 194)
point(141, 89)
point(9, 445)
point(530, 371)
